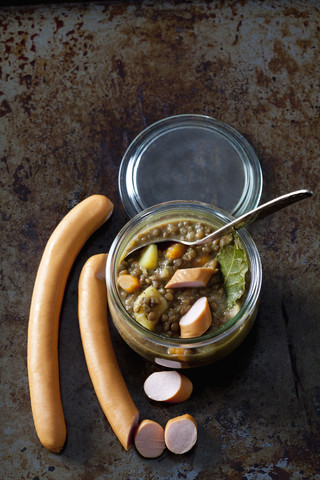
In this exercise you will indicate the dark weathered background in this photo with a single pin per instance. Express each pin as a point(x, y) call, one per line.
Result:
point(78, 82)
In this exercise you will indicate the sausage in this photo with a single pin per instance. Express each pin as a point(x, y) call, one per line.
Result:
point(149, 439)
point(180, 434)
point(43, 366)
point(190, 277)
point(197, 320)
point(168, 386)
point(104, 371)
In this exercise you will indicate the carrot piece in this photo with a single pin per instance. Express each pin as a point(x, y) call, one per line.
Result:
point(176, 250)
point(200, 261)
point(129, 283)
point(179, 353)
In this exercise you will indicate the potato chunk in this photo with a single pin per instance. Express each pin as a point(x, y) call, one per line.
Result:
point(149, 257)
point(148, 307)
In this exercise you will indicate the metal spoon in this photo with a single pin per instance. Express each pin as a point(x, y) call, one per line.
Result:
point(241, 222)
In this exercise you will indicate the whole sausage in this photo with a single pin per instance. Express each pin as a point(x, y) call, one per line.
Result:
point(43, 366)
point(105, 374)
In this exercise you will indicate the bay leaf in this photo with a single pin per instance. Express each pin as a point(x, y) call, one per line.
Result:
point(234, 266)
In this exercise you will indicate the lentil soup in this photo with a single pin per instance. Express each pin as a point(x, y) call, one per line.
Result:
point(143, 277)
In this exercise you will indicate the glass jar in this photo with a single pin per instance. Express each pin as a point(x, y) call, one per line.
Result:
point(181, 352)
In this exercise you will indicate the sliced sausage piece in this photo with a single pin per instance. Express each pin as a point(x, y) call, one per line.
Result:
point(168, 386)
point(107, 380)
point(149, 439)
point(190, 277)
point(181, 433)
point(197, 320)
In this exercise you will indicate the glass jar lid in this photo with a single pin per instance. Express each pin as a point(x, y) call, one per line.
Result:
point(190, 157)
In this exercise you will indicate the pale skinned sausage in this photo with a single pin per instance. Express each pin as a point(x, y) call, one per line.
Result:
point(168, 386)
point(197, 320)
point(43, 366)
point(180, 434)
point(190, 278)
point(105, 374)
point(149, 439)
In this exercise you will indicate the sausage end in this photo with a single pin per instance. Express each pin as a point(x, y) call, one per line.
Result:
point(149, 439)
point(130, 438)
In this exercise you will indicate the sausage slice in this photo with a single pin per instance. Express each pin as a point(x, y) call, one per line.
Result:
point(190, 277)
point(181, 433)
point(149, 439)
point(168, 386)
point(197, 320)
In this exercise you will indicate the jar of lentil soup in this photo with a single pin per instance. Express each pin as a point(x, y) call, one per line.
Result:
point(148, 312)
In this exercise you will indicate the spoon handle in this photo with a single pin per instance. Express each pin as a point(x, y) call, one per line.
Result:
point(257, 214)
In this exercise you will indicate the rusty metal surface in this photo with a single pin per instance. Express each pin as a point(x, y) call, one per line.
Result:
point(78, 82)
